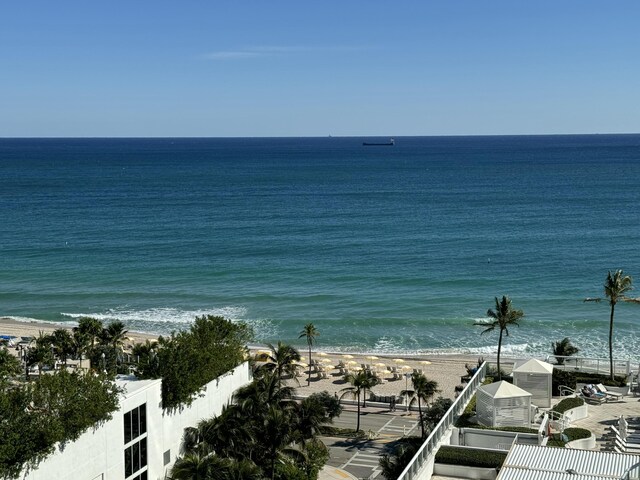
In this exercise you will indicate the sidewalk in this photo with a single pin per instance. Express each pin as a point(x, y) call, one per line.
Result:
point(333, 473)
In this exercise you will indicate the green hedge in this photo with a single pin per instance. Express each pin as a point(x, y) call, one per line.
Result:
point(470, 458)
point(582, 377)
point(562, 377)
point(57, 407)
point(572, 434)
point(568, 404)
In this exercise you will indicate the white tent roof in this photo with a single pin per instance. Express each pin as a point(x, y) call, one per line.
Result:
point(534, 366)
point(504, 390)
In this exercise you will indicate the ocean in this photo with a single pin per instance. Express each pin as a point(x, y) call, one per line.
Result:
point(392, 250)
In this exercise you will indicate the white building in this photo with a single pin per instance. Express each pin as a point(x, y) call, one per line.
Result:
point(141, 441)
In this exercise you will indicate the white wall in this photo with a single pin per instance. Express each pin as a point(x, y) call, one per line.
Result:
point(217, 394)
point(99, 454)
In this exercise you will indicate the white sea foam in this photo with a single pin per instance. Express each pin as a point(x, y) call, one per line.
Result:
point(160, 315)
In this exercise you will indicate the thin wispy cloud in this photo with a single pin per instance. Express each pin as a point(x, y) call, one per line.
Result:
point(270, 51)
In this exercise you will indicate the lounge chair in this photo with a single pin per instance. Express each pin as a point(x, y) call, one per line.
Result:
point(602, 389)
point(595, 398)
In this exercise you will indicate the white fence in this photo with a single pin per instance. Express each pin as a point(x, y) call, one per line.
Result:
point(412, 470)
point(591, 365)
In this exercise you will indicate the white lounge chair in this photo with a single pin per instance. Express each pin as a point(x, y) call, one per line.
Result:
point(602, 389)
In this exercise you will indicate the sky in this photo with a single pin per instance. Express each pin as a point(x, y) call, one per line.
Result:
point(294, 68)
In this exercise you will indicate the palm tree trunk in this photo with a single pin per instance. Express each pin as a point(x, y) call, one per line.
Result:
point(309, 377)
point(358, 421)
point(499, 349)
point(613, 306)
point(421, 419)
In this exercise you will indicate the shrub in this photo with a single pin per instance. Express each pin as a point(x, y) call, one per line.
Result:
point(568, 435)
point(583, 377)
point(568, 404)
point(471, 458)
point(562, 377)
point(187, 361)
point(37, 415)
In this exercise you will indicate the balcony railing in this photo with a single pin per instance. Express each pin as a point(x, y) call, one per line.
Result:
point(431, 443)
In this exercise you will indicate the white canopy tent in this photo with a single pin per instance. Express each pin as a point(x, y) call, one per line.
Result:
point(535, 376)
point(501, 404)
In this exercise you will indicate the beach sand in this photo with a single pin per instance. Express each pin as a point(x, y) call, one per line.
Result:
point(446, 370)
point(9, 326)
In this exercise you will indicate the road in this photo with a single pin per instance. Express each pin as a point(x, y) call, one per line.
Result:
point(360, 457)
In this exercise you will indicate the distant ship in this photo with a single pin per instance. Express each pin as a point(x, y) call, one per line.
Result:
point(390, 143)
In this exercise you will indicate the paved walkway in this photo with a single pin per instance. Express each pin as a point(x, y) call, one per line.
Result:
point(606, 414)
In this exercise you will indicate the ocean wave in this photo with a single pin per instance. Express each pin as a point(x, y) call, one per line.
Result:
point(160, 315)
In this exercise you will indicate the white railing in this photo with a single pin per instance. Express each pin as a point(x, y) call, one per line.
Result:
point(428, 447)
point(591, 365)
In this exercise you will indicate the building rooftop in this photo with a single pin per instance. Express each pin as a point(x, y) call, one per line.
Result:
point(132, 384)
point(532, 462)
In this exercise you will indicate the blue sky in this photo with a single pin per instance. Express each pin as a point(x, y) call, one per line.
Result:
point(280, 68)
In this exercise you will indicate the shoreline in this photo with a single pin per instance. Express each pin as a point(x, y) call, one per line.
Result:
point(32, 328)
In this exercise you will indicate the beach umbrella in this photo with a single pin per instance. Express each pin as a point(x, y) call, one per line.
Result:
point(398, 360)
point(303, 359)
point(347, 356)
point(380, 364)
point(301, 364)
point(352, 362)
point(321, 354)
point(425, 362)
point(326, 360)
point(371, 357)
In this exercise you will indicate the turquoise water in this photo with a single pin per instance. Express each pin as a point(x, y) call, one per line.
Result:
point(385, 249)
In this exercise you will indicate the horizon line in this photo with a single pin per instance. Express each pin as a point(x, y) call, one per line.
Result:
point(124, 137)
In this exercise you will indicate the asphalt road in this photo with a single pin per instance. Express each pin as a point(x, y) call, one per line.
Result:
point(360, 457)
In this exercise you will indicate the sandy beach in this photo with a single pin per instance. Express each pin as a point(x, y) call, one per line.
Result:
point(16, 328)
point(446, 370)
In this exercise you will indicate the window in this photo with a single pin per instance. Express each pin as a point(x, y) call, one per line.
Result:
point(167, 457)
point(135, 457)
point(135, 423)
point(135, 440)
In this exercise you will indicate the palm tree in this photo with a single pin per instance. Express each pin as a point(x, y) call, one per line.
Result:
point(310, 332)
point(563, 348)
point(282, 360)
point(615, 288)
point(423, 390)
point(63, 344)
point(360, 382)
point(114, 335)
point(503, 317)
point(90, 327)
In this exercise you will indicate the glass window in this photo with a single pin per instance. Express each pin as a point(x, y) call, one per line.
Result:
point(135, 424)
point(143, 452)
point(136, 456)
point(143, 418)
point(128, 467)
point(127, 427)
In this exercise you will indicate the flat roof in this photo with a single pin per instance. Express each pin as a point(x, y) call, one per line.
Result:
point(132, 384)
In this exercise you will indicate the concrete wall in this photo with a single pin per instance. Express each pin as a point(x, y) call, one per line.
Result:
point(494, 439)
point(99, 453)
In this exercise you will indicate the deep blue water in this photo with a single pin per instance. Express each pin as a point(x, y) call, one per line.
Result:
point(385, 249)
